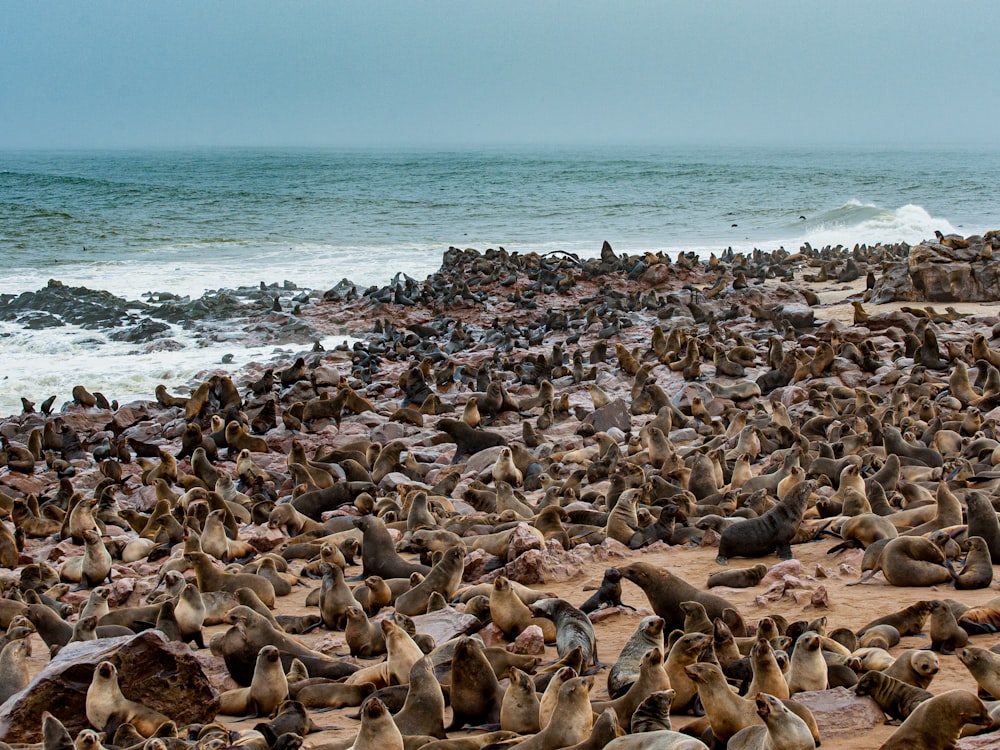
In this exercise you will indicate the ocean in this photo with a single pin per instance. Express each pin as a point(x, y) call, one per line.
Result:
point(136, 223)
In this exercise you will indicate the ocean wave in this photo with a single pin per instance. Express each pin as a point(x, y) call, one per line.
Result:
point(856, 222)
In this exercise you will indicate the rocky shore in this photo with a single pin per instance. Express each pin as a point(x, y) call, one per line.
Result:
point(548, 419)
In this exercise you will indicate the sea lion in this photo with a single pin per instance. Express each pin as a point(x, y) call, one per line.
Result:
point(444, 578)
point(946, 635)
point(378, 730)
point(653, 714)
point(378, 553)
point(476, 695)
point(808, 667)
point(915, 667)
point(328, 694)
point(571, 720)
point(107, 707)
point(519, 710)
point(936, 723)
point(190, 613)
point(783, 729)
point(767, 675)
point(982, 522)
point(652, 678)
point(984, 666)
point(895, 697)
point(573, 628)
point(648, 635)
point(907, 621)
point(14, 675)
point(335, 597)
point(211, 578)
point(665, 591)
point(977, 571)
point(364, 638)
point(423, 711)
point(664, 739)
point(727, 712)
point(772, 532)
point(738, 578)
point(268, 688)
point(684, 652)
point(912, 561)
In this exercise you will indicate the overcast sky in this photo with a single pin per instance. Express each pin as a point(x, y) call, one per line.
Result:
point(428, 73)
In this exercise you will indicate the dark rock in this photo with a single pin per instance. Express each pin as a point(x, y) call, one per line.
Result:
point(445, 624)
point(81, 306)
point(158, 673)
point(147, 330)
point(615, 414)
point(938, 273)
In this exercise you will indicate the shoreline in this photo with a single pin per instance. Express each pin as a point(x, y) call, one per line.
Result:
point(521, 321)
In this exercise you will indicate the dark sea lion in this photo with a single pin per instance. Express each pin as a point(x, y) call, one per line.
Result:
point(444, 578)
point(936, 723)
point(335, 597)
point(907, 621)
point(977, 571)
point(982, 522)
point(652, 678)
point(666, 591)
point(423, 711)
point(476, 695)
point(772, 532)
point(609, 594)
point(469, 440)
point(378, 553)
point(895, 697)
point(573, 628)
point(738, 578)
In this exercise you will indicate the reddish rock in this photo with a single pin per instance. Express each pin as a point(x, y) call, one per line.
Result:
point(158, 673)
point(522, 539)
point(782, 569)
point(841, 713)
point(820, 597)
point(530, 642)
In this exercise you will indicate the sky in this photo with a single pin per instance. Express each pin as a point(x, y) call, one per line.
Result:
point(438, 73)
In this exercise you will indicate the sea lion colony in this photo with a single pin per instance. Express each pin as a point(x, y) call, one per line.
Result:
point(510, 404)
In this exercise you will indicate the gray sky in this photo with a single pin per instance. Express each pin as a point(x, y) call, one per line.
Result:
point(428, 73)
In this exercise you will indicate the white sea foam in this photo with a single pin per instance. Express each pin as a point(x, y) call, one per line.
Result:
point(38, 364)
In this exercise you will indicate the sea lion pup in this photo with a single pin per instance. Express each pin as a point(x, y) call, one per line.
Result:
point(211, 578)
point(268, 688)
point(983, 665)
point(476, 695)
point(647, 636)
point(910, 561)
point(423, 710)
point(652, 678)
point(808, 667)
point(907, 621)
point(915, 667)
point(936, 723)
point(896, 698)
point(571, 720)
point(573, 628)
point(609, 594)
point(738, 578)
point(946, 635)
point(107, 707)
point(772, 532)
point(519, 710)
point(444, 578)
point(977, 572)
point(14, 675)
point(665, 591)
point(378, 552)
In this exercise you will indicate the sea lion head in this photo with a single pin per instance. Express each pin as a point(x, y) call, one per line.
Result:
point(106, 670)
point(374, 708)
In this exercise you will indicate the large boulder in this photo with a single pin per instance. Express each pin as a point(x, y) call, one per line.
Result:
point(841, 713)
point(936, 272)
point(161, 674)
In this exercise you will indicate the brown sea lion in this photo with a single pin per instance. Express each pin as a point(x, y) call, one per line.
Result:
point(896, 698)
point(772, 532)
point(738, 578)
point(977, 571)
point(782, 730)
point(984, 666)
point(648, 635)
point(666, 591)
point(476, 695)
point(107, 708)
point(936, 723)
point(915, 667)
